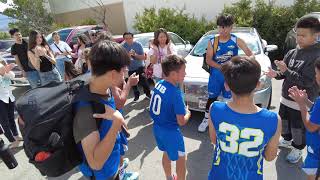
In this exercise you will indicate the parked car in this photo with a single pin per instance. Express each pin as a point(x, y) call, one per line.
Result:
point(5, 44)
point(196, 80)
point(183, 47)
point(290, 42)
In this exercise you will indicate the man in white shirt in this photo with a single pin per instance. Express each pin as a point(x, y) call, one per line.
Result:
point(61, 51)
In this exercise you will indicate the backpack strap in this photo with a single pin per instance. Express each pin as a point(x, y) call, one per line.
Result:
point(215, 44)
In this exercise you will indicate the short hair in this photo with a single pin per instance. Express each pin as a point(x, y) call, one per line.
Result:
point(13, 30)
point(317, 63)
point(70, 70)
point(55, 33)
point(242, 74)
point(105, 35)
point(309, 22)
point(86, 53)
point(128, 33)
point(225, 20)
point(172, 63)
point(107, 56)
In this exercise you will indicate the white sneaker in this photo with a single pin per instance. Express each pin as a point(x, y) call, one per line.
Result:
point(285, 144)
point(294, 156)
point(203, 126)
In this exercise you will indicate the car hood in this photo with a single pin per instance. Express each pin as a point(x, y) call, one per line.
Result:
point(194, 66)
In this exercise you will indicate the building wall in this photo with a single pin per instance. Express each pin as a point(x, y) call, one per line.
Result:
point(115, 17)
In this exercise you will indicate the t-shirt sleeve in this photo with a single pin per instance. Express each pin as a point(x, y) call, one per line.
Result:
point(83, 123)
point(178, 104)
point(151, 52)
point(315, 112)
point(139, 49)
point(13, 50)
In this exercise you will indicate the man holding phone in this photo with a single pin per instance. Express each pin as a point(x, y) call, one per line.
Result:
point(137, 56)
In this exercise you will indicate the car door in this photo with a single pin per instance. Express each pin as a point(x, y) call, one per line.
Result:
point(179, 43)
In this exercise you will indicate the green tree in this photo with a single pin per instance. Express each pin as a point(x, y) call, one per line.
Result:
point(30, 14)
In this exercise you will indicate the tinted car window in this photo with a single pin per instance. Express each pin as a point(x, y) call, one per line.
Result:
point(63, 35)
point(144, 40)
point(176, 39)
point(251, 40)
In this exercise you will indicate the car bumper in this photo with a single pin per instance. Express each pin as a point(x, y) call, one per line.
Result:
point(196, 94)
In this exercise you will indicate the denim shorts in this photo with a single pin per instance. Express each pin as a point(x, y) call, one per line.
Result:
point(33, 78)
point(47, 77)
point(60, 66)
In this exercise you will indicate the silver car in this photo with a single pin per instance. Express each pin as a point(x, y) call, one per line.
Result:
point(196, 80)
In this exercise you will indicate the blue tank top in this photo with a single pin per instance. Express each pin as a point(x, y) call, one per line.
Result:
point(225, 50)
point(111, 166)
point(241, 139)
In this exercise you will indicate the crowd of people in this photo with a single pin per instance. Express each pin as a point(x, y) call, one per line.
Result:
point(243, 133)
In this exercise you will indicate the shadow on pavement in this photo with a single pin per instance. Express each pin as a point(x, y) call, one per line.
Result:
point(286, 170)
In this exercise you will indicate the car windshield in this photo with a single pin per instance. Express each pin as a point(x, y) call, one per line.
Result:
point(144, 40)
point(251, 40)
point(63, 35)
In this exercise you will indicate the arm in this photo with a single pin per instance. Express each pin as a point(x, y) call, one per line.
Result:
point(212, 131)
point(50, 56)
point(306, 120)
point(98, 151)
point(271, 150)
point(209, 57)
point(242, 45)
point(139, 55)
point(183, 119)
point(34, 59)
point(153, 56)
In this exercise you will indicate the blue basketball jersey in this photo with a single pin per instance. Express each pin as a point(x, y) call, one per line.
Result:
point(166, 102)
point(241, 139)
point(225, 50)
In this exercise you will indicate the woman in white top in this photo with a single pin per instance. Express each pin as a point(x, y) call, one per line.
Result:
point(7, 104)
point(81, 46)
point(160, 48)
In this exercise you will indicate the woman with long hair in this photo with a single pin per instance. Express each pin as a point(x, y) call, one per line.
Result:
point(82, 42)
point(160, 48)
point(42, 59)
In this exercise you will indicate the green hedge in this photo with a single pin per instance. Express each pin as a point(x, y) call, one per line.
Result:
point(185, 25)
point(273, 22)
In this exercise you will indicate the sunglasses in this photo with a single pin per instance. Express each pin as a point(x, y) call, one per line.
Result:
point(93, 35)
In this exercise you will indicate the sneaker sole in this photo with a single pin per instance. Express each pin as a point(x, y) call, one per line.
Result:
point(293, 162)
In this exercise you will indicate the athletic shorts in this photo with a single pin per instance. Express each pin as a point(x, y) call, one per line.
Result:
point(216, 85)
point(311, 163)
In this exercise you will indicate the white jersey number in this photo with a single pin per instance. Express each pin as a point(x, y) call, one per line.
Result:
point(156, 104)
point(233, 146)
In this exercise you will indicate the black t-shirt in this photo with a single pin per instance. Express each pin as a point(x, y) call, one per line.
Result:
point(21, 50)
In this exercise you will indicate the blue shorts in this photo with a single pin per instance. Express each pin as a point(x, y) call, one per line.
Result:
point(170, 141)
point(311, 163)
point(216, 85)
point(123, 142)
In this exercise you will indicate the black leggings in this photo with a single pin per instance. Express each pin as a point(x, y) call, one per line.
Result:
point(142, 81)
point(209, 102)
point(7, 120)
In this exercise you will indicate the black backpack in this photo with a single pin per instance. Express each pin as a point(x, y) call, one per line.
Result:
point(48, 115)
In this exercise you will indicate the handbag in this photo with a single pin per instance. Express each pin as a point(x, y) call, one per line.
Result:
point(149, 71)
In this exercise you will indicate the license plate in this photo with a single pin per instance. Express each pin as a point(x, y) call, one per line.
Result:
point(202, 104)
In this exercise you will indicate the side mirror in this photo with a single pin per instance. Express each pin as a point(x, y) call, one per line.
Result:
point(271, 48)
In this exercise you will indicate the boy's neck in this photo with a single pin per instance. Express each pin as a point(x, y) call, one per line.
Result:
point(18, 42)
point(224, 38)
point(171, 81)
point(95, 86)
point(243, 104)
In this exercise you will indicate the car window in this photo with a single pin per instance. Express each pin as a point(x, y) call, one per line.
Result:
point(144, 40)
point(251, 40)
point(176, 39)
point(63, 35)
point(80, 31)
point(6, 44)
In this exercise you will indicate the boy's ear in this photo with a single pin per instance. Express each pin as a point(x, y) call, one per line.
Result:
point(227, 87)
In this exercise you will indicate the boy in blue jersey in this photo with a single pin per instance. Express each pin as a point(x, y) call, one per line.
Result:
point(243, 133)
point(168, 111)
point(312, 124)
point(101, 145)
point(227, 47)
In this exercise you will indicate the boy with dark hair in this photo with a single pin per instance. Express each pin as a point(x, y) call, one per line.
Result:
point(227, 46)
point(243, 133)
point(297, 69)
point(312, 124)
point(136, 54)
point(101, 146)
point(19, 50)
point(168, 111)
